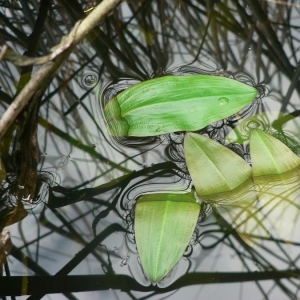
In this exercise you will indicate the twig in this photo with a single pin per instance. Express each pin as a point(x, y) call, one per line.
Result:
point(40, 81)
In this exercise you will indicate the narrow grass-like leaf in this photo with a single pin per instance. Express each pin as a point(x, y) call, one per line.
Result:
point(175, 103)
point(164, 224)
point(214, 168)
point(2, 171)
point(270, 156)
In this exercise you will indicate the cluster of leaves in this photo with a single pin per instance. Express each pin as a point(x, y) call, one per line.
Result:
point(139, 42)
point(164, 224)
point(221, 177)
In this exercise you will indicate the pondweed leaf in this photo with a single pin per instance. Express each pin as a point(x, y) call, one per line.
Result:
point(270, 156)
point(175, 103)
point(164, 224)
point(214, 168)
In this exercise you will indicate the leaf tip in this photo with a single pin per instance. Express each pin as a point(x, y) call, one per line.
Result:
point(269, 155)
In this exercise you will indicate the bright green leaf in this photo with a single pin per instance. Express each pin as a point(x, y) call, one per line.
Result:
point(175, 103)
point(164, 224)
point(270, 156)
point(214, 168)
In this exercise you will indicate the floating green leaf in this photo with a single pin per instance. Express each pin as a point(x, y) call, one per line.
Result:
point(175, 103)
point(270, 156)
point(164, 224)
point(214, 168)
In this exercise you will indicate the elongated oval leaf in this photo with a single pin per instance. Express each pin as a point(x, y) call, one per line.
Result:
point(164, 224)
point(175, 103)
point(270, 156)
point(214, 168)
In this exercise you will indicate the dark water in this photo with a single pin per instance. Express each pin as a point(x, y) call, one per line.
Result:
point(67, 200)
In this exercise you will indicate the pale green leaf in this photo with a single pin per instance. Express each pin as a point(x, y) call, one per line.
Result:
point(164, 224)
point(175, 103)
point(270, 156)
point(214, 168)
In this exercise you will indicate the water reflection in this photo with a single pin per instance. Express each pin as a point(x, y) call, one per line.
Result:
point(75, 230)
point(271, 212)
point(279, 202)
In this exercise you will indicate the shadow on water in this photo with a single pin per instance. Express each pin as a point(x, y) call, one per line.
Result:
point(68, 189)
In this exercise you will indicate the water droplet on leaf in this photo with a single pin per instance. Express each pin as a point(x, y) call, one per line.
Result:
point(223, 101)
